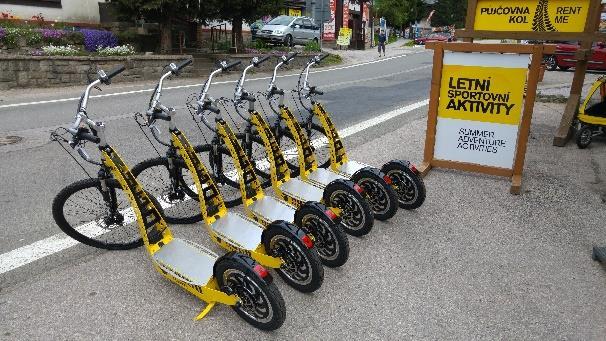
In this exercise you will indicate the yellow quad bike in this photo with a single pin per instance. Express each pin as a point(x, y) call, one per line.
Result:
point(234, 279)
point(401, 175)
point(591, 121)
point(280, 245)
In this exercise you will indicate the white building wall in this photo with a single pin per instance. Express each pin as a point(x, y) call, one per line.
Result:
point(77, 11)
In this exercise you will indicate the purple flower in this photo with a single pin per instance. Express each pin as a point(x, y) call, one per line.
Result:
point(95, 39)
point(51, 34)
point(2, 33)
point(37, 52)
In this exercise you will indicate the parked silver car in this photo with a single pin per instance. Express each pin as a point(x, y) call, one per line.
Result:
point(289, 31)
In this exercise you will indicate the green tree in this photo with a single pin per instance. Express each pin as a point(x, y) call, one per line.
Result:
point(449, 12)
point(239, 11)
point(400, 13)
point(164, 12)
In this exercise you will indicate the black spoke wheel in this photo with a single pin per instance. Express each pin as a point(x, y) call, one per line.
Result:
point(83, 212)
point(584, 136)
point(257, 154)
point(357, 217)
point(175, 188)
point(329, 238)
point(407, 184)
point(381, 197)
point(260, 303)
point(302, 268)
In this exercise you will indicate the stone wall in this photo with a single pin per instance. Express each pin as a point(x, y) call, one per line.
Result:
point(34, 71)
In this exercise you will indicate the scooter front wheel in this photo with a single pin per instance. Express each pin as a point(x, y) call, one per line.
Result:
point(261, 304)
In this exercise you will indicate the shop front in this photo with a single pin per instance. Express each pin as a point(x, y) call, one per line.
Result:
point(351, 14)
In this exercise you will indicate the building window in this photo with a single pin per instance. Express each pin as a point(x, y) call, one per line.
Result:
point(37, 3)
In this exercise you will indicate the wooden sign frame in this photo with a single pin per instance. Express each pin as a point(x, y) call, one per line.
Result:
point(586, 38)
point(515, 173)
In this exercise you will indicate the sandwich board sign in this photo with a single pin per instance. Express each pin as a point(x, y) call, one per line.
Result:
point(479, 111)
point(480, 108)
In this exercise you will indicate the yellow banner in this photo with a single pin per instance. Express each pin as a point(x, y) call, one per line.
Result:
point(344, 36)
point(484, 94)
point(532, 15)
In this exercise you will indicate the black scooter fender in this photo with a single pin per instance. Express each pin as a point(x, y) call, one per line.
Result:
point(318, 207)
point(288, 228)
point(247, 262)
point(401, 163)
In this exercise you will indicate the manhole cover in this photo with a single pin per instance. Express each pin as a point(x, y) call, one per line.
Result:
point(6, 140)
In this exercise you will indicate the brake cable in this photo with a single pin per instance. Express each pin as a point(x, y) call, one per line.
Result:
point(57, 137)
point(142, 124)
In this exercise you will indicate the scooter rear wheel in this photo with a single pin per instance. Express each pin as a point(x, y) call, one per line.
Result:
point(302, 268)
point(408, 185)
point(330, 239)
point(261, 304)
point(357, 217)
point(382, 197)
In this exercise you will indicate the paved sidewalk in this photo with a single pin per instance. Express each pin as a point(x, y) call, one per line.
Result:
point(370, 54)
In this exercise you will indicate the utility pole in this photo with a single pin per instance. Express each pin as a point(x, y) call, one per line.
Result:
point(321, 23)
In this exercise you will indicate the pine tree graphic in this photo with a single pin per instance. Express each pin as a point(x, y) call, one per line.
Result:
point(541, 21)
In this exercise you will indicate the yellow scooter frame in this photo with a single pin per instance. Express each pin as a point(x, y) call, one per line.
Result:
point(148, 218)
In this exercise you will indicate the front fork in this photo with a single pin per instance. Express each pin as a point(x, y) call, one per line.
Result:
point(110, 199)
point(175, 175)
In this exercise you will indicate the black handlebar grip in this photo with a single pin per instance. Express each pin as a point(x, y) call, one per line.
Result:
point(322, 57)
point(290, 57)
point(314, 90)
point(249, 98)
point(113, 73)
point(231, 65)
point(88, 137)
point(261, 61)
point(184, 64)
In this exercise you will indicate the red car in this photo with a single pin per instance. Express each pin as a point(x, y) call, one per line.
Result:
point(434, 37)
point(564, 58)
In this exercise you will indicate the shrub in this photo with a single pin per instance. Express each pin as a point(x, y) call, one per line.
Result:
point(260, 45)
point(73, 38)
point(312, 46)
point(122, 50)
point(95, 39)
point(67, 50)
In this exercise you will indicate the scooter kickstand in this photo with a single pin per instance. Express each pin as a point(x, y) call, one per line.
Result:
point(205, 311)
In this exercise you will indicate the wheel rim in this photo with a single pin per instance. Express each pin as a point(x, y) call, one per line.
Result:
point(324, 240)
point(586, 135)
point(177, 198)
point(253, 301)
point(377, 195)
point(116, 226)
point(551, 62)
point(404, 186)
point(352, 215)
point(296, 266)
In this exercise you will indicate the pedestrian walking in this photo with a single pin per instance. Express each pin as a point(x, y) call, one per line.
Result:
point(382, 40)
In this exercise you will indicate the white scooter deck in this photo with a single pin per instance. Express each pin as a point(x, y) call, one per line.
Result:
point(187, 261)
point(273, 209)
point(323, 176)
point(240, 229)
point(350, 167)
point(302, 190)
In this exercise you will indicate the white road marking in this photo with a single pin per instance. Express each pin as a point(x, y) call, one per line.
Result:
point(70, 99)
point(59, 242)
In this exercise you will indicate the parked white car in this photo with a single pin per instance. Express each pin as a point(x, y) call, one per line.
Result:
point(289, 31)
